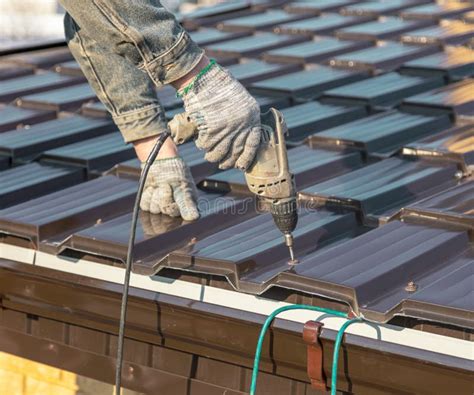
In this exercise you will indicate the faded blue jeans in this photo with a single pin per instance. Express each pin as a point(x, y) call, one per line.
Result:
point(125, 48)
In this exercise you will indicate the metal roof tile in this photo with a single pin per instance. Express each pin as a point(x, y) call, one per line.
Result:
point(16, 87)
point(436, 11)
point(381, 29)
point(308, 165)
point(52, 134)
point(69, 98)
point(43, 58)
point(381, 189)
point(322, 24)
point(265, 20)
point(7, 71)
point(446, 32)
point(455, 206)
point(308, 84)
point(4, 162)
point(98, 153)
point(68, 68)
point(252, 46)
point(378, 8)
point(320, 48)
point(386, 90)
point(317, 7)
point(452, 145)
point(381, 134)
point(455, 99)
point(453, 63)
point(250, 70)
point(386, 56)
point(25, 182)
point(207, 36)
point(12, 117)
point(63, 212)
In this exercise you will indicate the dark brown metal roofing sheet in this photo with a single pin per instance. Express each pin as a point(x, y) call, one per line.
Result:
point(307, 84)
point(447, 32)
point(320, 48)
point(308, 165)
point(207, 36)
point(381, 29)
point(386, 56)
point(454, 99)
point(383, 133)
point(455, 205)
point(7, 71)
point(69, 98)
point(12, 117)
point(317, 7)
point(386, 90)
point(455, 144)
point(252, 70)
point(379, 8)
point(26, 182)
point(265, 20)
point(436, 11)
point(453, 63)
point(380, 189)
point(44, 58)
point(322, 24)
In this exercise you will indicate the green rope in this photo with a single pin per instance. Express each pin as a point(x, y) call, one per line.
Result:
point(266, 325)
point(335, 355)
point(190, 86)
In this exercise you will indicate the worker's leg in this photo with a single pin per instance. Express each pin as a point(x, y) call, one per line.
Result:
point(142, 31)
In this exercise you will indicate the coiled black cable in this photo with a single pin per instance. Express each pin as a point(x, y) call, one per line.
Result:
point(128, 266)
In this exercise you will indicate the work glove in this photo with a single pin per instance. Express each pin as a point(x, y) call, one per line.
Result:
point(227, 118)
point(170, 189)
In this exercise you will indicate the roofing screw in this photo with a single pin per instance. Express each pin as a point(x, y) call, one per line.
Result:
point(99, 221)
point(411, 287)
point(193, 240)
point(458, 175)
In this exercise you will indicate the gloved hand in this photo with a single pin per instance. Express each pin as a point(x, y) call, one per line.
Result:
point(170, 189)
point(228, 118)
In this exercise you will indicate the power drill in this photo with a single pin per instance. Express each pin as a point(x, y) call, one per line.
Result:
point(269, 176)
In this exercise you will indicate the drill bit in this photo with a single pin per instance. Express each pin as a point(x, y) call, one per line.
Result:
point(289, 244)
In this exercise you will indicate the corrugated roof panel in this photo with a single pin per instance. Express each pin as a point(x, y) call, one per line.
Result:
point(254, 45)
point(308, 165)
point(194, 158)
point(308, 84)
point(308, 118)
point(455, 144)
point(455, 99)
point(26, 182)
point(16, 87)
point(7, 71)
point(70, 98)
point(453, 63)
point(207, 36)
point(378, 8)
point(248, 71)
point(12, 117)
point(322, 24)
point(4, 162)
point(382, 188)
point(385, 56)
point(317, 7)
point(320, 48)
point(386, 90)
point(65, 211)
point(223, 8)
point(260, 264)
point(374, 270)
point(44, 58)
point(261, 21)
point(455, 205)
point(157, 235)
point(468, 17)
point(99, 153)
point(436, 11)
point(381, 29)
point(52, 134)
point(447, 32)
point(381, 134)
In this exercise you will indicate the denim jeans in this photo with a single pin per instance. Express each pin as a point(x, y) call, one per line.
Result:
point(125, 48)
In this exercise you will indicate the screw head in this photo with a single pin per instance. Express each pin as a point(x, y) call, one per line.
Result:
point(411, 286)
point(458, 175)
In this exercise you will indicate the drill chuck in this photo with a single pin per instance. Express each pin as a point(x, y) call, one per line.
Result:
point(285, 214)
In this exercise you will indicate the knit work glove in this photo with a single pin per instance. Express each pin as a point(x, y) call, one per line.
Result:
point(170, 189)
point(227, 118)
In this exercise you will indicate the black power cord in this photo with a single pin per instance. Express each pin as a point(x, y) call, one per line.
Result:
point(128, 267)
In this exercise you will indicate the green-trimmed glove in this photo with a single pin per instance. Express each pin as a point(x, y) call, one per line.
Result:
point(227, 117)
point(170, 189)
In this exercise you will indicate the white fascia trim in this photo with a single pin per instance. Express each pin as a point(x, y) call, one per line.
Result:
point(250, 303)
